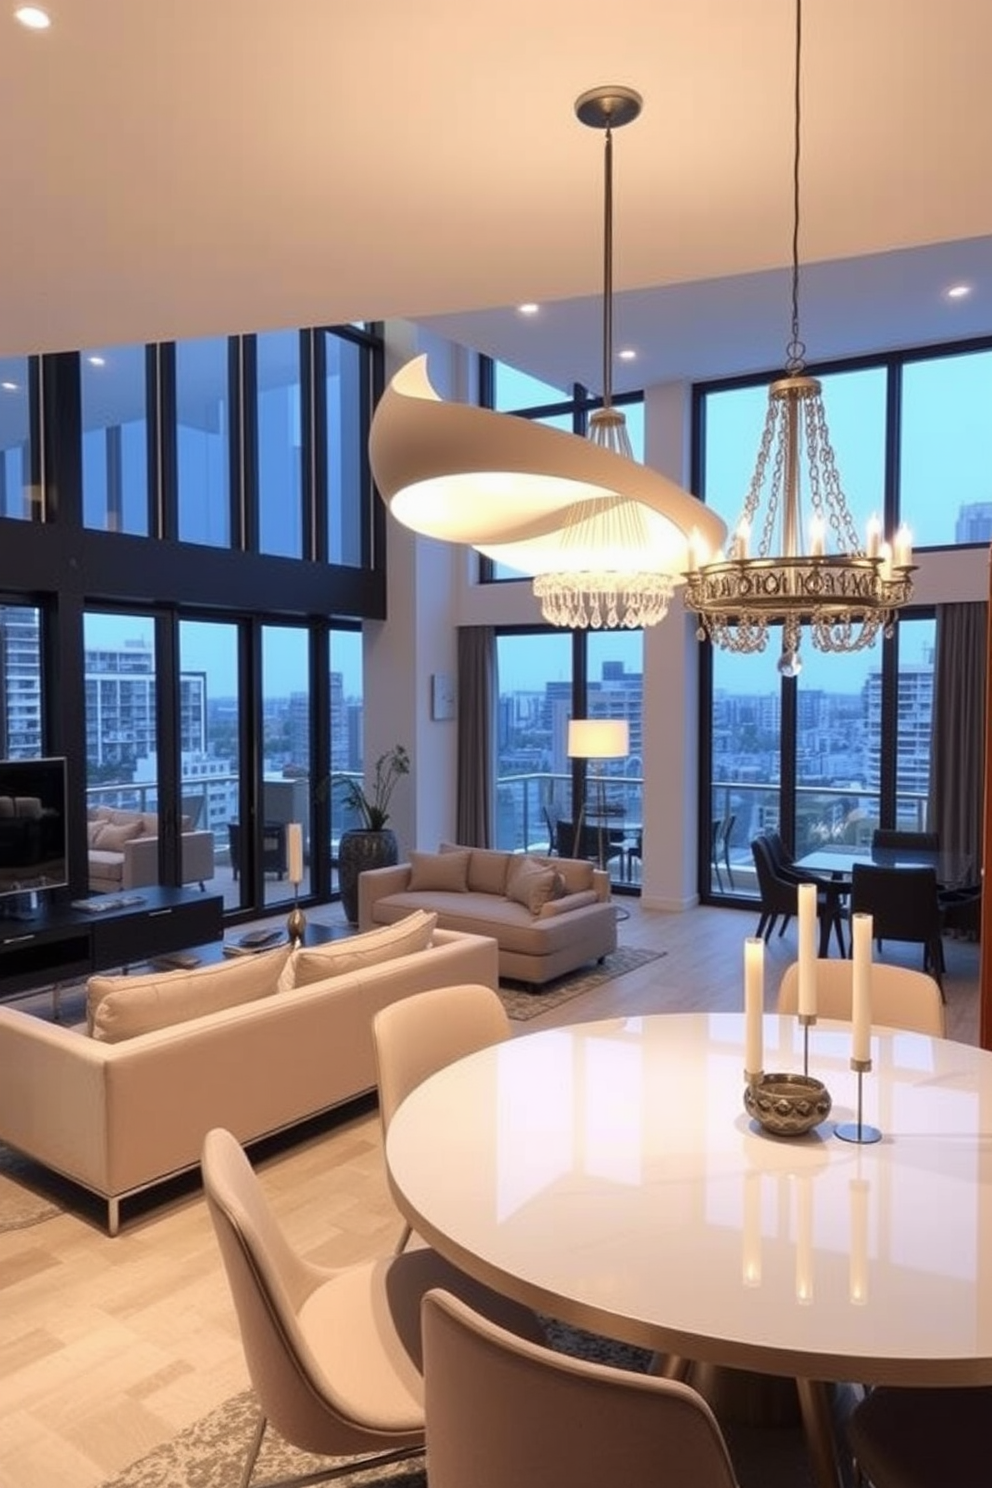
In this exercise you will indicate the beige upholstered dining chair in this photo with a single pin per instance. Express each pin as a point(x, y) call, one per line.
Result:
point(500, 1410)
point(900, 997)
point(334, 1356)
point(419, 1035)
point(907, 1437)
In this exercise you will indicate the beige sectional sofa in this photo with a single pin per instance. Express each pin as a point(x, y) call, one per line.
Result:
point(547, 915)
point(123, 850)
point(255, 1044)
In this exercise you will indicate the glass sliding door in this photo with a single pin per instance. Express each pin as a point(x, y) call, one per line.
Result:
point(838, 781)
point(209, 745)
point(122, 786)
point(745, 784)
point(613, 793)
point(914, 693)
point(285, 761)
point(347, 762)
point(533, 771)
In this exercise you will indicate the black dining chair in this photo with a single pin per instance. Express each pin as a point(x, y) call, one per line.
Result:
point(720, 847)
point(890, 837)
point(904, 904)
point(780, 897)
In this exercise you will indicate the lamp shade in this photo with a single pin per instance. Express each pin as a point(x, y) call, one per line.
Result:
point(466, 474)
point(598, 738)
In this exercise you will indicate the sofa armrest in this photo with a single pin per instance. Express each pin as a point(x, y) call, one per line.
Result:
point(197, 850)
point(376, 883)
point(140, 862)
point(601, 884)
point(53, 1096)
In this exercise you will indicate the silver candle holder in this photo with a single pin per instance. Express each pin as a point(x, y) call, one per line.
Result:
point(858, 1130)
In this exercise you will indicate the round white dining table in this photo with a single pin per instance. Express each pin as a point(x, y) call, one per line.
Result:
point(607, 1174)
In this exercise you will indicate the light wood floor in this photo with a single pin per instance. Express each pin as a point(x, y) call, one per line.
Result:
point(110, 1346)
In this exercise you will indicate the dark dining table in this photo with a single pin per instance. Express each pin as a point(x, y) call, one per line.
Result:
point(833, 867)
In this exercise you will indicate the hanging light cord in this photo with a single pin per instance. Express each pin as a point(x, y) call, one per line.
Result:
point(608, 271)
point(796, 349)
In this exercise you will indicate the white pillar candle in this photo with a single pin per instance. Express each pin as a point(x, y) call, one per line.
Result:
point(754, 1003)
point(861, 929)
point(902, 556)
point(294, 852)
point(858, 1281)
point(807, 950)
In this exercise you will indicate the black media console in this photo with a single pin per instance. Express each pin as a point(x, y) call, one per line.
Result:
point(60, 944)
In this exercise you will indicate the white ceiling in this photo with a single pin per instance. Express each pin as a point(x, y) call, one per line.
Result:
point(174, 168)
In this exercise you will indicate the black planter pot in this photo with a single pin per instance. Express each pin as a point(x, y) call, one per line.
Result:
point(359, 850)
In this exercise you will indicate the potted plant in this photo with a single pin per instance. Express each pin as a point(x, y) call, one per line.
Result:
point(372, 844)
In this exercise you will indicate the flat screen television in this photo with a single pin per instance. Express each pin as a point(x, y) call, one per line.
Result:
point(33, 838)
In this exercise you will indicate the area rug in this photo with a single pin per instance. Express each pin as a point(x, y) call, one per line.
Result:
point(22, 1202)
point(210, 1453)
point(521, 1003)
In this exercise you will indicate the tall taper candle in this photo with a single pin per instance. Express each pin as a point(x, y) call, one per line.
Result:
point(861, 929)
point(754, 1003)
point(807, 949)
point(294, 853)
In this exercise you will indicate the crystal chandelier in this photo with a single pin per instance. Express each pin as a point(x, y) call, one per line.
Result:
point(601, 579)
point(848, 596)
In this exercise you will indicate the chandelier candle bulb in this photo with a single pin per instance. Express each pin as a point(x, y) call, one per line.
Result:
point(807, 950)
point(294, 852)
point(903, 550)
point(754, 1005)
point(861, 931)
point(874, 537)
point(817, 538)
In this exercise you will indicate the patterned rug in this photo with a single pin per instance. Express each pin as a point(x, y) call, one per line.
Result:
point(521, 1003)
point(23, 1200)
point(210, 1453)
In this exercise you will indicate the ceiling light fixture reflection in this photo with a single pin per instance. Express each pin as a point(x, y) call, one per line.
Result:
point(958, 291)
point(529, 309)
point(847, 597)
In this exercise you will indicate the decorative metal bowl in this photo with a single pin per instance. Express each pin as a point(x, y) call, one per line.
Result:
point(787, 1105)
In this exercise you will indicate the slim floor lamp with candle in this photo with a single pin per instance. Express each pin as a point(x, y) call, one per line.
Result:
point(597, 739)
point(297, 922)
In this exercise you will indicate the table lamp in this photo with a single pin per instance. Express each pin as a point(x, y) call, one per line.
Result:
point(597, 739)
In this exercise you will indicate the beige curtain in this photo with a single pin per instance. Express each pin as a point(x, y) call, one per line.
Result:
point(475, 790)
point(958, 731)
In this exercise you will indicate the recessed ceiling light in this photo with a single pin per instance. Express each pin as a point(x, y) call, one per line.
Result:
point(628, 354)
point(958, 291)
point(97, 361)
point(33, 17)
point(529, 309)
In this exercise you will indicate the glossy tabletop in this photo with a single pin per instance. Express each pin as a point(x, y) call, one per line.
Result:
point(607, 1173)
point(951, 868)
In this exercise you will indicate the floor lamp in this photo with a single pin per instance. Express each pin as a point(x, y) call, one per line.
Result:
point(597, 739)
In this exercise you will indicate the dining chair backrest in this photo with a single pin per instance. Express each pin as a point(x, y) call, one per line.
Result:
point(773, 889)
point(900, 996)
point(500, 1410)
point(903, 902)
point(419, 1035)
point(889, 837)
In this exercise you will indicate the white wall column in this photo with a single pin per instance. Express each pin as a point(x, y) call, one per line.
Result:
point(671, 693)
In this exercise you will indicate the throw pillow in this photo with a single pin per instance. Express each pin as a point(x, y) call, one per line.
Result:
point(341, 957)
point(111, 838)
point(123, 1007)
point(487, 868)
point(530, 884)
point(445, 872)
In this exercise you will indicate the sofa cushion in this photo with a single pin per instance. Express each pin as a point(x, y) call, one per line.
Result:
point(445, 872)
point(123, 1007)
point(530, 884)
point(487, 868)
point(111, 836)
point(341, 957)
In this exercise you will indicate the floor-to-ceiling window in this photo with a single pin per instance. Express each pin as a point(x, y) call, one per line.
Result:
point(347, 752)
point(210, 740)
point(203, 440)
point(285, 762)
point(17, 464)
point(115, 439)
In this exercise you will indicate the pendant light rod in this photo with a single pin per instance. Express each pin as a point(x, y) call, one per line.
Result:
point(608, 108)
